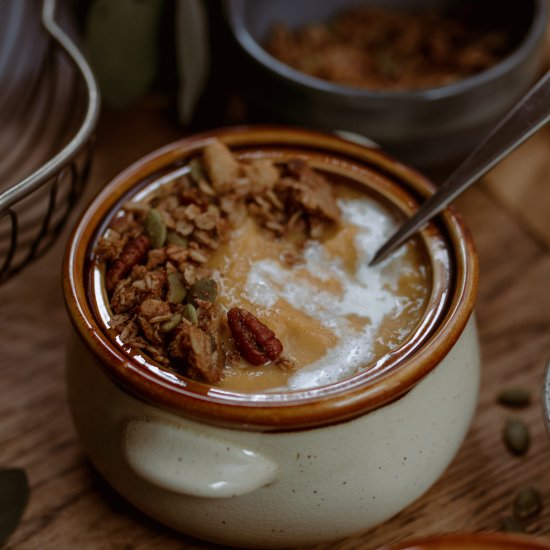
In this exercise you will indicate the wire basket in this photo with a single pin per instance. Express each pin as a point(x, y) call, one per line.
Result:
point(49, 105)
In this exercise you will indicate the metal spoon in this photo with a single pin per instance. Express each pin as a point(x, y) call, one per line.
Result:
point(529, 115)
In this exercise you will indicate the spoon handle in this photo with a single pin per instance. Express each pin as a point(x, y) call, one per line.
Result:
point(529, 115)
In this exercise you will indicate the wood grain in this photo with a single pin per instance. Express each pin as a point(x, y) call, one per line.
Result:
point(72, 507)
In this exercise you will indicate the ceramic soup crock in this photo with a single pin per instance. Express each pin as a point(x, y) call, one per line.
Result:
point(283, 468)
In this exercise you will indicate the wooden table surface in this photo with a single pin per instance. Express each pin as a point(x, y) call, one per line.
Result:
point(72, 507)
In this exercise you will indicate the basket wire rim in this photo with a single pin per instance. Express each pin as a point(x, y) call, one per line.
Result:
point(49, 169)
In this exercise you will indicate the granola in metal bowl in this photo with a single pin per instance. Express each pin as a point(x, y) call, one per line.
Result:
point(162, 292)
point(383, 49)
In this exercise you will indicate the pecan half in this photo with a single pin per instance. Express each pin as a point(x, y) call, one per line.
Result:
point(132, 254)
point(256, 342)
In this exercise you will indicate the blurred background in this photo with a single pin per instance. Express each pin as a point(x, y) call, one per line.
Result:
point(424, 79)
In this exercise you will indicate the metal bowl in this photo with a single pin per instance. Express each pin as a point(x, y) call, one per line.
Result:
point(425, 128)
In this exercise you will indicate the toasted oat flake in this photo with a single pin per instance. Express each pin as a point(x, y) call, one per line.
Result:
point(198, 256)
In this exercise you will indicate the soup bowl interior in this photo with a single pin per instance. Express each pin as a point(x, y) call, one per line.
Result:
point(446, 245)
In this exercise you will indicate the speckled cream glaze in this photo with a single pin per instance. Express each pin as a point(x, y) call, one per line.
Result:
point(300, 487)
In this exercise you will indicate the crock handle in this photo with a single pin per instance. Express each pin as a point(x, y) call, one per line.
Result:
point(188, 462)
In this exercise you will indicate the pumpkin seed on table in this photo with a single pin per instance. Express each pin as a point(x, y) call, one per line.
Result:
point(174, 238)
point(511, 525)
point(204, 289)
point(155, 228)
point(516, 436)
point(171, 324)
point(528, 503)
point(514, 397)
point(176, 288)
point(190, 313)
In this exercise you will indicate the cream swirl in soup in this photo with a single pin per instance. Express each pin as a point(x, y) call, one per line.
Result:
point(334, 314)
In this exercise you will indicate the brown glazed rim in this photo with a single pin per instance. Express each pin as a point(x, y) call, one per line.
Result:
point(294, 410)
point(474, 541)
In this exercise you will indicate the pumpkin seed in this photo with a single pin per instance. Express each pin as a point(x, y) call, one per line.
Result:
point(176, 290)
point(174, 238)
point(388, 63)
point(514, 397)
point(195, 170)
point(203, 289)
point(516, 436)
point(14, 495)
point(511, 525)
point(190, 313)
point(171, 324)
point(155, 228)
point(528, 503)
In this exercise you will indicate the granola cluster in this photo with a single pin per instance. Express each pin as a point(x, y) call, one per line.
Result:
point(378, 48)
point(155, 253)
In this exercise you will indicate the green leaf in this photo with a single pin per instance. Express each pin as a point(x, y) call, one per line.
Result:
point(122, 43)
point(193, 54)
point(14, 494)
